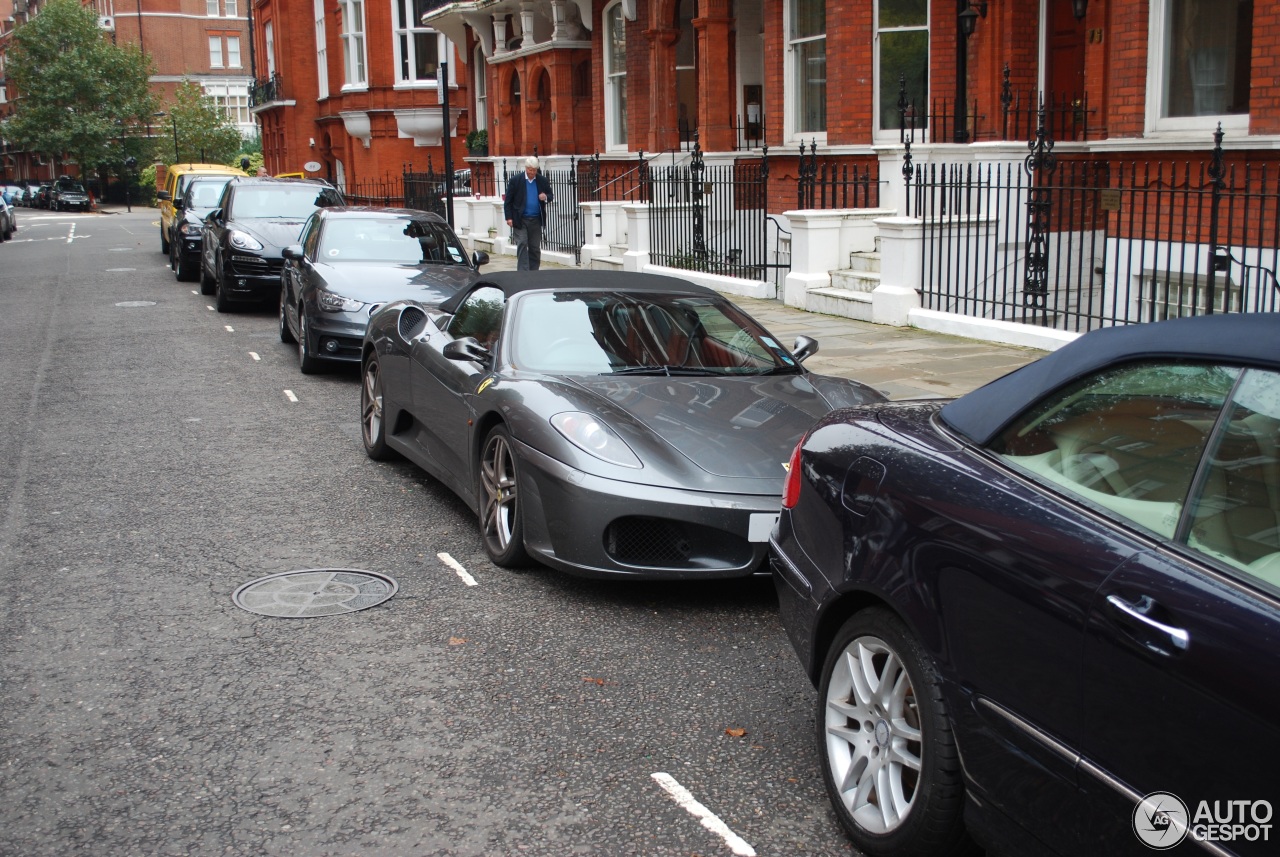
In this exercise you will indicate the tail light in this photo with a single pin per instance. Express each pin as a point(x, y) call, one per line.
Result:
point(791, 488)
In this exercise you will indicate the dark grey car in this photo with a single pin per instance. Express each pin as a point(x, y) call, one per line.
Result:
point(608, 424)
point(353, 260)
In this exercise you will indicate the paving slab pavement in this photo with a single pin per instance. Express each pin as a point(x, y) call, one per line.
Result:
point(901, 362)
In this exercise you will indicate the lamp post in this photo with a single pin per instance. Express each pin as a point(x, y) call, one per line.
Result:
point(966, 22)
point(173, 119)
point(129, 164)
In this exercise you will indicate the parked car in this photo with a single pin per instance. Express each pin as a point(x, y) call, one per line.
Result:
point(351, 261)
point(243, 238)
point(12, 194)
point(1024, 608)
point(8, 220)
point(68, 195)
point(27, 199)
point(43, 193)
point(604, 423)
point(203, 191)
point(175, 185)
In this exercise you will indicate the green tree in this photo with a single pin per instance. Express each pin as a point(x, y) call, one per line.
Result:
point(198, 129)
point(79, 97)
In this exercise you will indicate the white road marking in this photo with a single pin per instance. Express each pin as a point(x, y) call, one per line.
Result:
point(71, 236)
point(288, 394)
point(255, 356)
point(458, 569)
point(229, 328)
point(195, 291)
point(209, 307)
point(708, 819)
point(114, 270)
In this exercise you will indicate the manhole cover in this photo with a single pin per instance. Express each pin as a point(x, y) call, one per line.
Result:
point(314, 592)
point(136, 303)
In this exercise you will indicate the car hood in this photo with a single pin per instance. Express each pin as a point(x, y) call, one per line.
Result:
point(729, 427)
point(275, 233)
point(427, 284)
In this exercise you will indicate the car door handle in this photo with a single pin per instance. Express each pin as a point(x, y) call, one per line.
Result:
point(1141, 613)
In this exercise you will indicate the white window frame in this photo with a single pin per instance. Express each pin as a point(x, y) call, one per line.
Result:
point(269, 39)
point(442, 46)
point(211, 9)
point(480, 87)
point(1157, 57)
point(322, 54)
point(612, 82)
point(229, 8)
point(215, 52)
point(789, 83)
point(891, 134)
point(355, 46)
point(233, 52)
point(233, 100)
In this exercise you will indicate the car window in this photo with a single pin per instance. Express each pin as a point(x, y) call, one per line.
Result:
point(613, 332)
point(1128, 440)
point(285, 200)
point(204, 194)
point(391, 239)
point(480, 315)
point(311, 237)
point(1235, 515)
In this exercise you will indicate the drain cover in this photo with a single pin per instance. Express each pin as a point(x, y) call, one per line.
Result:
point(314, 592)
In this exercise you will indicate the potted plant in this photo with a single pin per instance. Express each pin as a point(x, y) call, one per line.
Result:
point(478, 143)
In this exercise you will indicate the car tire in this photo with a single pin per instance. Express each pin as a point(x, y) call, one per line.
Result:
point(207, 284)
point(220, 300)
point(894, 736)
point(501, 514)
point(373, 426)
point(164, 241)
point(286, 335)
point(308, 364)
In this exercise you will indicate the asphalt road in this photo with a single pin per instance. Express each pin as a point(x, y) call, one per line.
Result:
point(156, 455)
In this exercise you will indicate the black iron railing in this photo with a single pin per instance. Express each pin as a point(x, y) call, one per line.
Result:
point(266, 90)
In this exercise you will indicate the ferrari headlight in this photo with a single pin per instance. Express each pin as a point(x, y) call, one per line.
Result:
point(594, 438)
point(243, 240)
point(333, 302)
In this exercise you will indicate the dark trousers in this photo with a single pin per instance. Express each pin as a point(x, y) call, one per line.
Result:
point(528, 238)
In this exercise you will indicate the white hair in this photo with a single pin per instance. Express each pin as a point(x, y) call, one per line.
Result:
point(531, 162)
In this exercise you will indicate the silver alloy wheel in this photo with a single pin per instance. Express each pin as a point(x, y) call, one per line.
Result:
point(498, 478)
point(873, 735)
point(371, 403)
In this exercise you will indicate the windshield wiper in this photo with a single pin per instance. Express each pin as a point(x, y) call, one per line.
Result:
point(665, 370)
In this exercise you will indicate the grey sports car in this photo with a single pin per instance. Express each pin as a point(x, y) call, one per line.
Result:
point(608, 424)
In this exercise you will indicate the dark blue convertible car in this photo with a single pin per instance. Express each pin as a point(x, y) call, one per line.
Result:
point(1046, 615)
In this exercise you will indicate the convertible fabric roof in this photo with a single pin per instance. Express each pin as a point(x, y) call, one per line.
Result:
point(1234, 338)
point(513, 282)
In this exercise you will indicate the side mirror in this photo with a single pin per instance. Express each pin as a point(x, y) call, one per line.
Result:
point(804, 348)
point(214, 216)
point(163, 194)
point(479, 258)
point(468, 348)
point(179, 205)
point(293, 251)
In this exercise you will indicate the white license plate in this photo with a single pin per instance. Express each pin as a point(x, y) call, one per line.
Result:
point(760, 526)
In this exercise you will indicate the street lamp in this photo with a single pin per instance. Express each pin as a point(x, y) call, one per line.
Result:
point(130, 163)
point(966, 22)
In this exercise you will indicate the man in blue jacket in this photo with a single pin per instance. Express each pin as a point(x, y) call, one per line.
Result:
point(527, 195)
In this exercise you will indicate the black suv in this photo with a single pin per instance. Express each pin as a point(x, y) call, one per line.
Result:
point(201, 196)
point(68, 195)
point(243, 237)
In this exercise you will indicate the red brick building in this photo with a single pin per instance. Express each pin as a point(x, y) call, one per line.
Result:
point(206, 41)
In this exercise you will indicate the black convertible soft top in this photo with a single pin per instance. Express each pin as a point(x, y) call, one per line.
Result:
point(512, 282)
point(1240, 339)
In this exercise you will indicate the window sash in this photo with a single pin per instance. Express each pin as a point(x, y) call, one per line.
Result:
point(233, 52)
point(215, 52)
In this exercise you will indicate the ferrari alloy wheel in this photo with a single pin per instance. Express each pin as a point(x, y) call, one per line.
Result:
point(308, 364)
point(286, 335)
point(889, 759)
point(373, 429)
point(500, 520)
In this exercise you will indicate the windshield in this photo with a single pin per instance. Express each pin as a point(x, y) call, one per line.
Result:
point(641, 333)
point(205, 194)
point(71, 187)
point(390, 239)
point(291, 201)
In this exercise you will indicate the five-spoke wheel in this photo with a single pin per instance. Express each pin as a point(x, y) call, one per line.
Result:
point(500, 512)
point(889, 759)
point(373, 429)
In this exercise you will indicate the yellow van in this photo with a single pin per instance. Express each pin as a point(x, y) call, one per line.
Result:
point(175, 183)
